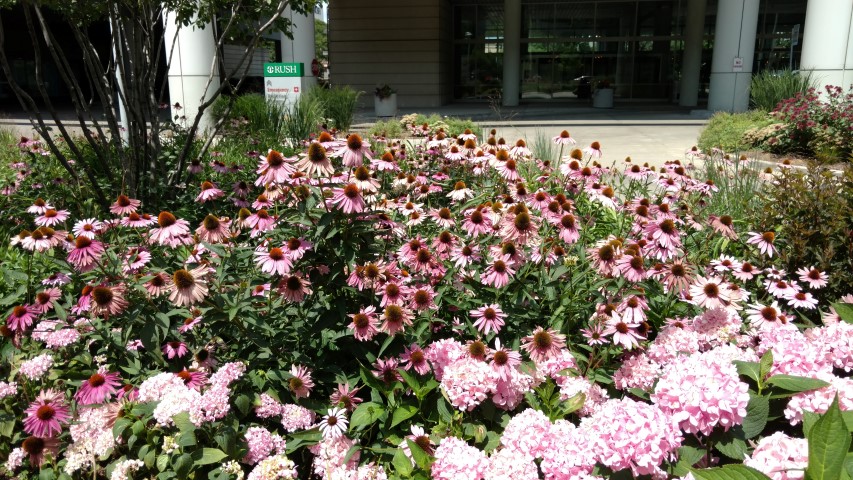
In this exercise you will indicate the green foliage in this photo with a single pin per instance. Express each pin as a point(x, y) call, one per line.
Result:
point(811, 212)
point(301, 119)
point(452, 126)
point(386, 128)
point(768, 88)
point(338, 105)
point(725, 131)
point(829, 442)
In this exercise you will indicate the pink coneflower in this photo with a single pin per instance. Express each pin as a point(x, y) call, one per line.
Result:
point(395, 318)
point(465, 255)
point(188, 286)
point(21, 317)
point(171, 231)
point(745, 272)
point(781, 288)
point(192, 378)
point(208, 192)
point(393, 294)
point(363, 179)
point(175, 349)
point(498, 273)
point(97, 388)
point(344, 396)
point(274, 167)
point(594, 335)
point(46, 414)
point(354, 151)
point(262, 201)
point(543, 344)
point(295, 248)
point(677, 276)
point(39, 206)
point(159, 284)
point(520, 150)
point(802, 300)
point(762, 316)
point(300, 382)
point(663, 233)
point(89, 227)
point(454, 154)
point(189, 324)
point(632, 267)
point(764, 241)
point(460, 192)
point(260, 221)
point(508, 170)
point(489, 318)
point(624, 334)
point(520, 228)
point(604, 258)
point(43, 301)
point(214, 230)
point(724, 225)
point(709, 293)
point(504, 361)
point(593, 150)
point(564, 139)
point(261, 290)
point(135, 220)
point(108, 300)
point(124, 205)
point(813, 277)
point(294, 288)
point(476, 223)
point(414, 357)
point(422, 298)
point(725, 263)
point(85, 254)
point(334, 424)
point(364, 324)
point(36, 447)
point(56, 279)
point(316, 162)
point(52, 217)
point(273, 261)
point(385, 369)
point(348, 199)
point(443, 217)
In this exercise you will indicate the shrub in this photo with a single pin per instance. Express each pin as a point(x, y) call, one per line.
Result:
point(339, 105)
point(725, 131)
point(387, 128)
point(769, 88)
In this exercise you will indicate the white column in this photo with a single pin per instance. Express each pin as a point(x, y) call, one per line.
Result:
point(192, 63)
point(512, 53)
point(734, 38)
point(828, 42)
point(691, 61)
point(301, 48)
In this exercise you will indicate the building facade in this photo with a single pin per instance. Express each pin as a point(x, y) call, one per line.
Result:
point(693, 52)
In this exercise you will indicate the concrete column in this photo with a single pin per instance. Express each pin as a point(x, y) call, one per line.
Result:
point(301, 48)
point(734, 37)
point(193, 60)
point(828, 42)
point(512, 53)
point(691, 61)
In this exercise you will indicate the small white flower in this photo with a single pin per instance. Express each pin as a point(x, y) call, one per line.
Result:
point(334, 424)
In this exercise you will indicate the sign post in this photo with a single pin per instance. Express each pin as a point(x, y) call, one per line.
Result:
point(283, 82)
point(795, 40)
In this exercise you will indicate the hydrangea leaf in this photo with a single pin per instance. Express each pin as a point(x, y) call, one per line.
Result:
point(729, 472)
point(845, 311)
point(793, 383)
point(757, 411)
point(829, 441)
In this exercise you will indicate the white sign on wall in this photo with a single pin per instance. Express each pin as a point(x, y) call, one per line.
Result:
point(737, 64)
point(283, 82)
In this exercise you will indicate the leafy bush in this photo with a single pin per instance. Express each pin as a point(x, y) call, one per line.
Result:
point(812, 211)
point(725, 131)
point(419, 124)
point(813, 125)
point(386, 128)
point(339, 105)
point(769, 88)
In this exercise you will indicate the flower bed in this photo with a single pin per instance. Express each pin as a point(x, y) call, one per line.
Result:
point(454, 310)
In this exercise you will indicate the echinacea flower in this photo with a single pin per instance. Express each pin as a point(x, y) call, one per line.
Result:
point(709, 293)
point(498, 273)
point(489, 318)
point(273, 260)
point(108, 300)
point(300, 382)
point(39, 206)
point(208, 192)
point(192, 378)
point(21, 317)
point(593, 150)
point(564, 139)
point(46, 414)
point(159, 284)
point(214, 229)
point(124, 205)
point(348, 199)
point(294, 288)
point(334, 424)
point(504, 361)
point(414, 357)
point(97, 388)
point(85, 254)
point(89, 227)
point(315, 162)
point(274, 168)
point(395, 318)
point(354, 151)
point(36, 447)
point(171, 230)
point(764, 241)
point(51, 217)
point(624, 334)
point(189, 286)
point(543, 344)
point(175, 349)
point(813, 277)
point(344, 396)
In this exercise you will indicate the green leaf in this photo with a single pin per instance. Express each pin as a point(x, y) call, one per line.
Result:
point(162, 462)
point(766, 363)
point(749, 369)
point(443, 412)
point(844, 310)
point(402, 464)
point(793, 383)
point(757, 411)
point(687, 457)
point(829, 441)
point(182, 465)
point(206, 456)
point(410, 380)
point(366, 414)
point(729, 472)
point(732, 446)
point(421, 458)
point(403, 413)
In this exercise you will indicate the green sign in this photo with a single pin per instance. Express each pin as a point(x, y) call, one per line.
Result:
point(283, 69)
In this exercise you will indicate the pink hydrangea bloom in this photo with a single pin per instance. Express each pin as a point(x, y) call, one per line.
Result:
point(330, 453)
point(701, 393)
point(277, 467)
point(7, 389)
point(780, 457)
point(527, 434)
point(794, 354)
point(294, 417)
point(269, 407)
point(508, 465)
point(819, 400)
point(92, 434)
point(442, 353)
point(35, 367)
point(455, 459)
point(629, 434)
point(594, 395)
point(467, 383)
point(839, 338)
point(261, 444)
point(673, 342)
point(637, 371)
point(568, 455)
point(508, 392)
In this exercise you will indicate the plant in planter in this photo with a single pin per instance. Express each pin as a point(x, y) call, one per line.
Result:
point(385, 101)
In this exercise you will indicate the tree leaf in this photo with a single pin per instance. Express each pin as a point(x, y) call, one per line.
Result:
point(365, 414)
point(757, 411)
point(729, 472)
point(793, 383)
point(829, 441)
